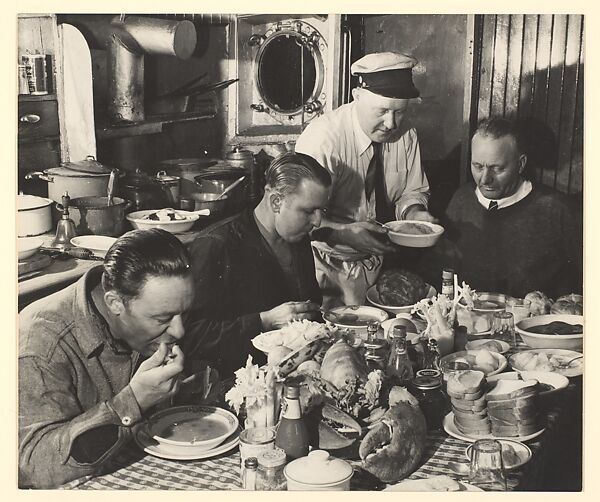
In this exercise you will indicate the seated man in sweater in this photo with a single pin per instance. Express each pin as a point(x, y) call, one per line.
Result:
point(254, 272)
point(95, 357)
point(507, 234)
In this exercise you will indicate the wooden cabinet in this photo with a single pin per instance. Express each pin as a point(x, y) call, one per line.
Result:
point(38, 116)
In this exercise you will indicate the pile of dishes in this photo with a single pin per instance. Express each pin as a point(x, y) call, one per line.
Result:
point(189, 432)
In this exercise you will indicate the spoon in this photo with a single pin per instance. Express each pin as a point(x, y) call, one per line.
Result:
point(568, 363)
point(111, 186)
point(231, 187)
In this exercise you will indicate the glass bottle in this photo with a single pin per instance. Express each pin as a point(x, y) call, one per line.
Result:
point(292, 435)
point(372, 329)
point(448, 283)
point(270, 476)
point(249, 475)
point(427, 388)
point(432, 355)
point(399, 368)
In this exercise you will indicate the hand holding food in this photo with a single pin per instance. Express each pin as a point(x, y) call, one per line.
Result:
point(155, 380)
point(366, 237)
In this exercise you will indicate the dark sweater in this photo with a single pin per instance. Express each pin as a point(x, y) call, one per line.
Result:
point(236, 277)
point(535, 244)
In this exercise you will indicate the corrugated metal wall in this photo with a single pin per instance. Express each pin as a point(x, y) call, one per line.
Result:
point(530, 67)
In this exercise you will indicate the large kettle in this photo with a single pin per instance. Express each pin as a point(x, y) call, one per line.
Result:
point(83, 178)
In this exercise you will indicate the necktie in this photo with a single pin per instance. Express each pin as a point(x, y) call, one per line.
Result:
point(375, 182)
point(493, 206)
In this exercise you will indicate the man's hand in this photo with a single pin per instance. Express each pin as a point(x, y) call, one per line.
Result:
point(419, 213)
point(366, 237)
point(157, 378)
point(289, 311)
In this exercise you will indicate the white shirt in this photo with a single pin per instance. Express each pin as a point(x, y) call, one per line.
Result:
point(338, 143)
point(522, 192)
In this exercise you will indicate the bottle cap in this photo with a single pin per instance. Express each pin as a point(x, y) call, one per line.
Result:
point(426, 382)
point(398, 331)
point(272, 458)
point(448, 274)
point(251, 463)
point(292, 391)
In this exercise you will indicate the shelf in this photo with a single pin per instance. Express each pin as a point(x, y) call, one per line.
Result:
point(152, 125)
point(32, 98)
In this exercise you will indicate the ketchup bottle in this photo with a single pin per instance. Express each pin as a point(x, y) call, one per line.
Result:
point(292, 435)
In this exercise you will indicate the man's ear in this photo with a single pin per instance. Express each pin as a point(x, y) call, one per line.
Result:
point(114, 302)
point(522, 163)
point(275, 201)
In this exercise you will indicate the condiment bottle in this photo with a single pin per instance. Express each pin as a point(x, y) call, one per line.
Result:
point(249, 475)
point(270, 476)
point(427, 388)
point(448, 283)
point(292, 435)
point(399, 368)
point(432, 355)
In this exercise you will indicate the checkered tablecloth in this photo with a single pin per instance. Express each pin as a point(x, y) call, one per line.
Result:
point(134, 469)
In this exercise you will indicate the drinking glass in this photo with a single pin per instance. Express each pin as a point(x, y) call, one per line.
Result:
point(487, 469)
point(503, 327)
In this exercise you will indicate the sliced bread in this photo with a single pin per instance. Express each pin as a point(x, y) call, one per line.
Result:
point(511, 389)
point(466, 382)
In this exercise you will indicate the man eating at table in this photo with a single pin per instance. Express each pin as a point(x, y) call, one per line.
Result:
point(372, 152)
point(505, 233)
point(254, 272)
point(94, 357)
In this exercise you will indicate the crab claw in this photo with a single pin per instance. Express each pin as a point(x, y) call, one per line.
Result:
point(378, 437)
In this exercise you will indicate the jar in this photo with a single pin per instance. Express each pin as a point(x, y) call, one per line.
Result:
point(269, 476)
point(427, 388)
point(254, 441)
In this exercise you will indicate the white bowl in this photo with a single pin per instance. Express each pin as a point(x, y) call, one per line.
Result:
point(199, 419)
point(397, 236)
point(500, 359)
point(97, 244)
point(355, 318)
point(373, 299)
point(478, 321)
point(28, 246)
point(542, 341)
point(477, 344)
point(554, 380)
point(175, 227)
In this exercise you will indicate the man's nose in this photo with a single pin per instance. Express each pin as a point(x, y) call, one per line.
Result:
point(389, 120)
point(316, 218)
point(176, 329)
point(486, 176)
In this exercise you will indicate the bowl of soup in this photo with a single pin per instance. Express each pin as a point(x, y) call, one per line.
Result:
point(552, 331)
point(184, 430)
point(355, 318)
point(413, 233)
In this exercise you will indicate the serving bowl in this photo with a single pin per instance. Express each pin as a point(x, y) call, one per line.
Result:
point(28, 246)
point(481, 342)
point(355, 318)
point(138, 220)
point(373, 299)
point(398, 233)
point(97, 244)
point(546, 341)
point(500, 365)
point(186, 430)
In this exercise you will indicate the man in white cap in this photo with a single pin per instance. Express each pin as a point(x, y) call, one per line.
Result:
point(373, 155)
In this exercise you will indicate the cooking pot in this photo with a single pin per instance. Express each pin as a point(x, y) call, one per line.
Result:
point(240, 157)
point(199, 200)
point(34, 215)
point(187, 169)
point(79, 179)
point(216, 181)
point(318, 471)
point(93, 215)
point(144, 192)
point(171, 185)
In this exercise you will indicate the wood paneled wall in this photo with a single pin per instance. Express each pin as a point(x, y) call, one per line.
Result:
point(530, 67)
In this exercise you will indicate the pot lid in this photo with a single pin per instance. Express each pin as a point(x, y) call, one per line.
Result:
point(141, 180)
point(90, 166)
point(187, 164)
point(318, 468)
point(28, 202)
point(239, 153)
